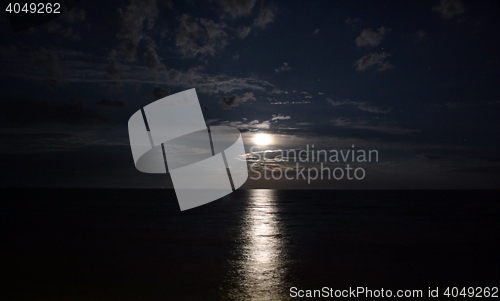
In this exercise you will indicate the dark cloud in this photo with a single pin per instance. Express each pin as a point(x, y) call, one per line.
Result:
point(237, 8)
point(61, 30)
point(152, 62)
point(29, 111)
point(213, 29)
point(362, 105)
point(203, 38)
point(114, 69)
point(285, 67)
point(352, 21)
point(242, 32)
point(74, 16)
point(388, 129)
point(373, 59)
point(449, 8)
point(159, 93)
point(131, 22)
point(368, 37)
point(189, 33)
point(226, 84)
point(248, 96)
point(229, 102)
point(106, 102)
point(62, 26)
point(365, 125)
point(265, 16)
point(50, 62)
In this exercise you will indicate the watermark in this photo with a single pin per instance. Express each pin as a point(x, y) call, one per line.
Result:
point(281, 168)
point(366, 292)
point(170, 136)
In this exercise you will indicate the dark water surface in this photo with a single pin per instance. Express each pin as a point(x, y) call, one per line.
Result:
point(250, 245)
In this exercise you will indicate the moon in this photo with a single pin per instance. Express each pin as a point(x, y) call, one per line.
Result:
point(262, 139)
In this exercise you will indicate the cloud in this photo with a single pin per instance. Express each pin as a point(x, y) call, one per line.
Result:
point(248, 96)
point(213, 29)
point(373, 59)
point(362, 105)
point(74, 16)
point(368, 37)
point(265, 16)
point(106, 102)
point(82, 68)
point(386, 128)
point(341, 121)
point(50, 62)
point(477, 103)
point(193, 39)
point(242, 32)
point(229, 102)
point(278, 91)
point(285, 67)
point(237, 8)
point(316, 31)
point(225, 84)
point(189, 32)
point(252, 125)
point(58, 27)
point(280, 117)
point(352, 21)
point(131, 22)
point(449, 8)
point(67, 32)
point(151, 60)
point(159, 93)
point(114, 68)
point(29, 111)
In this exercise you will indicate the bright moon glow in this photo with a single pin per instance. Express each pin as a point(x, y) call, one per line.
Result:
point(262, 139)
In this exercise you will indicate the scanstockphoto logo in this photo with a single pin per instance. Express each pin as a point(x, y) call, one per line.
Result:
point(170, 136)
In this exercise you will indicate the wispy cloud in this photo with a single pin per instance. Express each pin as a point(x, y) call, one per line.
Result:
point(372, 59)
point(236, 8)
point(49, 60)
point(280, 117)
point(386, 128)
point(284, 67)
point(449, 8)
point(266, 15)
point(131, 20)
point(369, 37)
point(362, 105)
point(229, 102)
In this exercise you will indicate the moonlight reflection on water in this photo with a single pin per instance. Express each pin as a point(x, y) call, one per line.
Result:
point(262, 264)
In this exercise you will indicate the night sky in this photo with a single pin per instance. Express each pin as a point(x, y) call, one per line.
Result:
point(419, 82)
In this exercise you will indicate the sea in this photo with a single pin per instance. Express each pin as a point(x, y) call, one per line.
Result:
point(136, 244)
